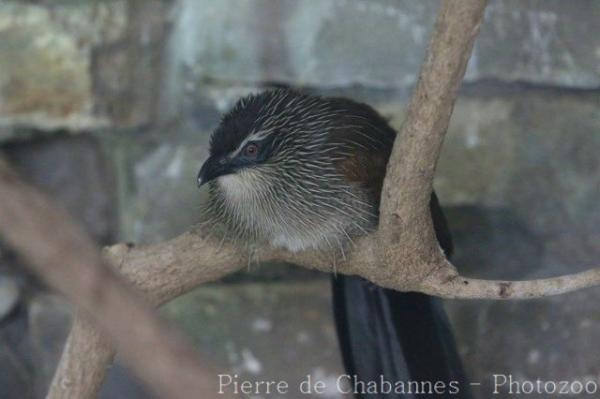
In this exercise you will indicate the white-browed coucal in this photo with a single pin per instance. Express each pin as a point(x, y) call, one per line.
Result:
point(305, 172)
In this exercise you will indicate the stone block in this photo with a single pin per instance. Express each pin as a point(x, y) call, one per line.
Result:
point(534, 153)
point(550, 339)
point(380, 43)
point(45, 74)
point(81, 65)
point(76, 172)
point(279, 331)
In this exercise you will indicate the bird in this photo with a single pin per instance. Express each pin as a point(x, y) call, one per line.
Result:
point(302, 171)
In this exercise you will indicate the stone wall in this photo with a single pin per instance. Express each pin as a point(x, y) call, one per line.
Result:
point(108, 106)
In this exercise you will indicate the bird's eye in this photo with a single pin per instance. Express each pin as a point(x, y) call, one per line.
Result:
point(251, 150)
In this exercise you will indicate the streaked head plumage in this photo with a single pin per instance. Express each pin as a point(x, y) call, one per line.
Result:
point(264, 128)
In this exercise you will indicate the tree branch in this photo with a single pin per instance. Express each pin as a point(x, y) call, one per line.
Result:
point(403, 254)
point(405, 224)
point(61, 253)
point(447, 283)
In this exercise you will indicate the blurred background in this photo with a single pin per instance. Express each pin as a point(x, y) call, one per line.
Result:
point(108, 106)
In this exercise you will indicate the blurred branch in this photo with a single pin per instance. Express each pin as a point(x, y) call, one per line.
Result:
point(403, 254)
point(61, 253)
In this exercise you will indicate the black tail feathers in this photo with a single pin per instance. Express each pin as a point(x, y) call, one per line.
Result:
point(401, 341)
point(396, 337)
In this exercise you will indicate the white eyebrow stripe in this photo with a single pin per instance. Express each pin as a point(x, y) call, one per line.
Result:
point(257, 136)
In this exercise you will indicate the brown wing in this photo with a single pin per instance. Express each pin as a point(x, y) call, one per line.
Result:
point(367, 136)
point(370, 139)
point(367, 170)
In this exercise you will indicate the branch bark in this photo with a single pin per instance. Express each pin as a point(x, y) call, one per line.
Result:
point(403, 254)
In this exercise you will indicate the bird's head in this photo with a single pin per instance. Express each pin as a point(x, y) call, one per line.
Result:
point(265, 135)
point(296, 168)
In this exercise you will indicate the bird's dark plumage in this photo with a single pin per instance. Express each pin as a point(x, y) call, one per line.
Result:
point(301, 171)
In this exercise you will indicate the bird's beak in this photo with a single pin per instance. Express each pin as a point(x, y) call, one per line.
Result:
point(212, 168)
